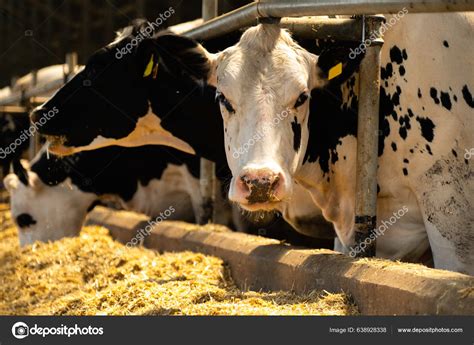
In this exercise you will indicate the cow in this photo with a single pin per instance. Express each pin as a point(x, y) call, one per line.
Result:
point(147, 97)
point(51, 198)
point(305, 116)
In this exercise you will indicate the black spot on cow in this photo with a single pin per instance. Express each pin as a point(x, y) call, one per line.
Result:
point(454, 153)
point(410, 113)
point(446, 100)
point(396, 55)
point(405, 171)
point(404, 54)
point(427, 128)
point(296, 127)
point(335, 156)
point(386, 72)
point(446, 44)
point(394, 147)
point(455, 98)
point(25, 220)
point(325, 132)
point(378, 188)
point(467, 96)
point(434, 95)
point(386, 109)
point(403, 132)
point(419, 93)
point(411, 151)
point(406, 161)
point(345, 157)
point(405, 126)
point(428, 148)
point(401, 70)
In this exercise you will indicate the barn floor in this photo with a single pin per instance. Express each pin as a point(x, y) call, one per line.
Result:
point(95, 275)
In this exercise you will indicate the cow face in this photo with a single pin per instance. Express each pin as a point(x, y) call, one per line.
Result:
point(39, 210)
point(107, 103)
point(264, 86)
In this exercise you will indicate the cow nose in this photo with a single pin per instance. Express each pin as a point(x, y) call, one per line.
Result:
point(259, 186)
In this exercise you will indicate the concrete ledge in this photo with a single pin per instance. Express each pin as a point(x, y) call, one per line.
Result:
point(379, 287)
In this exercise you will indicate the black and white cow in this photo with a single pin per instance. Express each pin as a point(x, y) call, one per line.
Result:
point(148, 97)
point(268, 84)
point(51, 199)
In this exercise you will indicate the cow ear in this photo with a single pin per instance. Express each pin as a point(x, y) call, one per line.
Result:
point(335, 65)
point(20, 171)
point(183, 56)
point(11, 182)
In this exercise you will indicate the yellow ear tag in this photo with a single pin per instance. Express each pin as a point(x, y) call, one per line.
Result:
point(149, 67)
point(335, 71)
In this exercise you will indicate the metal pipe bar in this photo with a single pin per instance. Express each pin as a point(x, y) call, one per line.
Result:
point(324, 28)
point(367, 145)
point(248, 14)
point(298, 8)
point(15, 109)
point(207, 178)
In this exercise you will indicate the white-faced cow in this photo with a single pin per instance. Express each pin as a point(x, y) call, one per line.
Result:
point(150, 97)
point(268, 85)
point(51, 199)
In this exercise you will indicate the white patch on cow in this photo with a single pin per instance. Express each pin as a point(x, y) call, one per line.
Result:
point(148, 131)
point(158, 195)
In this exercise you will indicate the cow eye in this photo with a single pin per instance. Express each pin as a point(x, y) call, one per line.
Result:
point(222, 100)
point(301, 99)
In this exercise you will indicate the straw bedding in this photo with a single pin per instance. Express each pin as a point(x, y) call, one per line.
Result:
point(95, 275)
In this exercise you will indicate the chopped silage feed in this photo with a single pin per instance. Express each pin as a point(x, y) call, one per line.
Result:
point(95, 275)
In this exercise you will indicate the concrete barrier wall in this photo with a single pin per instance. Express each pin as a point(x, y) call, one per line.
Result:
point(379, 287)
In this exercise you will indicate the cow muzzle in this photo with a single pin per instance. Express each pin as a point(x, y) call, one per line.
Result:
point(259, 189)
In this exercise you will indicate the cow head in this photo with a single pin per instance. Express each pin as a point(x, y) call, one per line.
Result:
point(42, 212)
point(264, 86)
point(108, 102)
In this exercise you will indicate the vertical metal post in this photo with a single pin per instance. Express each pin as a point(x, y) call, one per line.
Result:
point(34, 140)
point(207, 181)
point(367, 142)
point(71, 64)
point(209, 9)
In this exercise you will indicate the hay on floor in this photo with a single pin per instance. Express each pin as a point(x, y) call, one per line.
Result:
point(95, 275)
